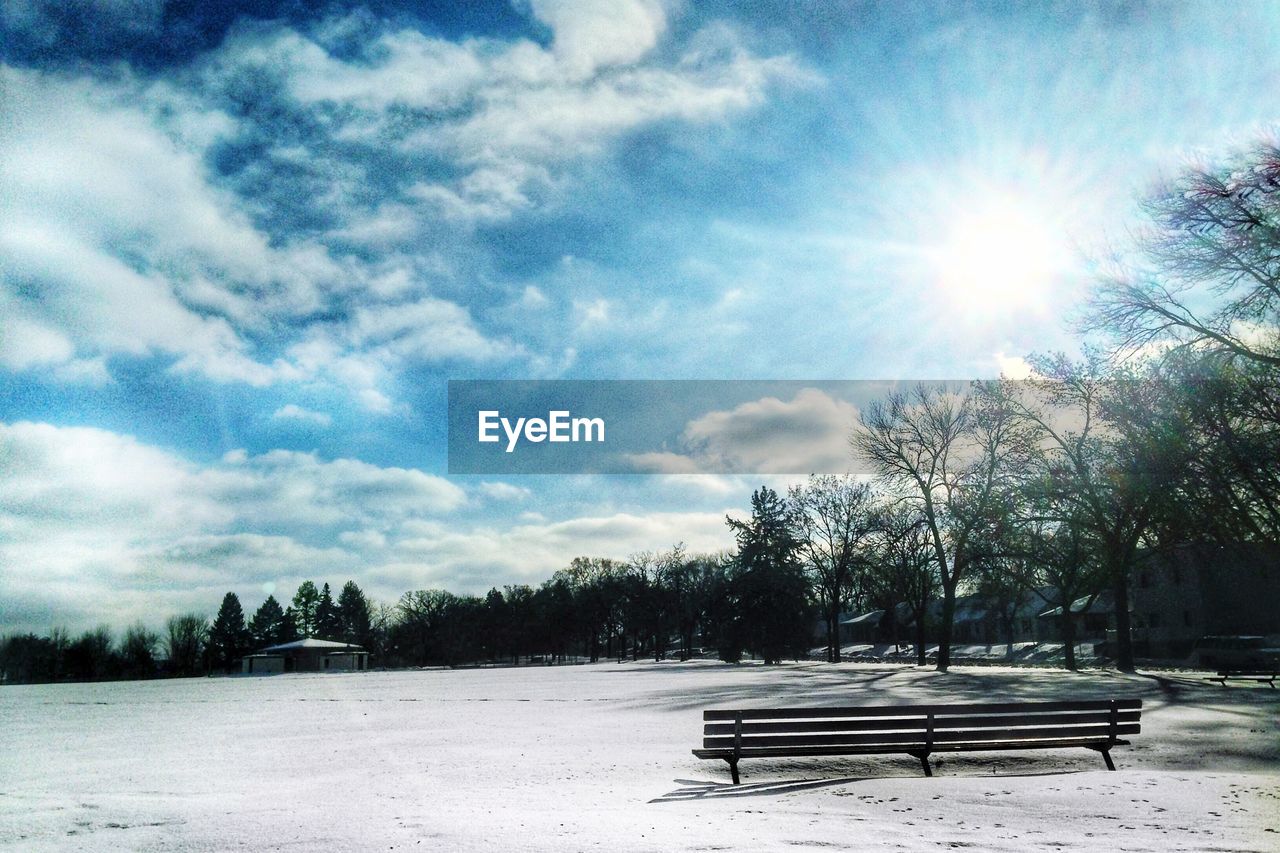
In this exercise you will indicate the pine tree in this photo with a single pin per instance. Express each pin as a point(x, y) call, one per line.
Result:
point(772, 593)
point(267, 626)
point(305, 601)
point(228, 638)
point(289, 626)
point(328, 625)
point(353, 616)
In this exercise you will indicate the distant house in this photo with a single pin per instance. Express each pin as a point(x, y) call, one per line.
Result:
point(1094, 616)
point(861, 627)
point(309, 655)
point(1197, 590)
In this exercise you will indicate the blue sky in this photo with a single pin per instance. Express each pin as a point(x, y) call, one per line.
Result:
point(244, 246)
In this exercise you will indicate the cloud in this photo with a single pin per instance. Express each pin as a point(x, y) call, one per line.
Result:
point(293, 412)
point(503, 491)
point(600, 33)
point(482, 129)
point(1013, 366)
point(116, 243)
point(806, 435)
point(472, 560)
point(98, 526)
point(299, 204)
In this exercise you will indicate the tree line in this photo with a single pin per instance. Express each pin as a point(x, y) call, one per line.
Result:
point(1168, 433)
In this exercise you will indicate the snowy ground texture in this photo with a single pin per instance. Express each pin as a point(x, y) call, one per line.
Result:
point(598, 757)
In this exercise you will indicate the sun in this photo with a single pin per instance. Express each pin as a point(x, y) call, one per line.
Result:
point(1001, 256)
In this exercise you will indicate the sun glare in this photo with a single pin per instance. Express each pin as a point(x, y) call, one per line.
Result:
point(1000, 257)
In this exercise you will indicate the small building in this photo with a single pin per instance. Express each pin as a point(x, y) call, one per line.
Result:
point(309, 655)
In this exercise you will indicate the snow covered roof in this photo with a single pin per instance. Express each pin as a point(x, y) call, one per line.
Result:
point(873, 616)
point(311, 643)
point(1102, 603)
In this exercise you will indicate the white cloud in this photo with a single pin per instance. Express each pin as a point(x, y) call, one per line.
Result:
point(294, 412)
point(503, 491)
point(96, 526)
point(111, 211)
point(1013, 367)
point(363, 540)
point(590, 34)
point(808, 434)
point(428, 329)
point(118, 224)
point(511, 118)
point(474, 559)
point(139, 243)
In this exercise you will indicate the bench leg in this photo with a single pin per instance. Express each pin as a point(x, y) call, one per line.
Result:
point(733, 769)
point(1106, 756)
point(924, 762)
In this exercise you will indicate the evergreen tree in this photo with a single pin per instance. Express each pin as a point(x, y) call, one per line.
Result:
point(289, 626)
point(305, 602)
point(353, 616)
point(772, 593)
point(267, 626)
point(228, 637)
point(328, 625)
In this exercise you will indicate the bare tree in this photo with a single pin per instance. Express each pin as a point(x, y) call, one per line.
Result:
point(187, 637)
point(1208, 275)
point(904, 570)
point(833, 516)
point(948, 455)
point(138, 650)
point(1092, 475)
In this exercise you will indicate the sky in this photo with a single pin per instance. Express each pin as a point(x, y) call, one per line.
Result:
point(245, 245)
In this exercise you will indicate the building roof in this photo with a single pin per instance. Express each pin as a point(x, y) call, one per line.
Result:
point(312, 643)
point(1102, 603)
point(873, 616)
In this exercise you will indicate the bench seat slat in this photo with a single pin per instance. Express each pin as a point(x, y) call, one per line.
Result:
point(917, 736)
point(715, 715)
point(876, 724)
point(899, 749)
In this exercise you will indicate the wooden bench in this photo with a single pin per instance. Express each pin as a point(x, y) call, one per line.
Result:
point(1244, 675)
point(917, 730)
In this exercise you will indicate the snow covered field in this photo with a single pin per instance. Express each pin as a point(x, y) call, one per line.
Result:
point(597, 757)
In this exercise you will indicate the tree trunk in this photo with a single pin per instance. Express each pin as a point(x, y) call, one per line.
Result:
point(948, 619)
point(833, 635)
point(1069, 637)
point(1124, 635)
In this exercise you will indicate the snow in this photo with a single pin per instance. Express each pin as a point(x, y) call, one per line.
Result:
point(597, 757)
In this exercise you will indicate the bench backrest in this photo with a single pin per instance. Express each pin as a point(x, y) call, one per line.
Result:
point(920, 725)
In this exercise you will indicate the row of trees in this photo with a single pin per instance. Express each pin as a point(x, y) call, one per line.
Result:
point(96, 655)
point(189, 644)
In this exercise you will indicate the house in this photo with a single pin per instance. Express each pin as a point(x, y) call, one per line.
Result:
point(1201, 590)
point(1094, 617)
point(861, 627)
point(308, 655)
